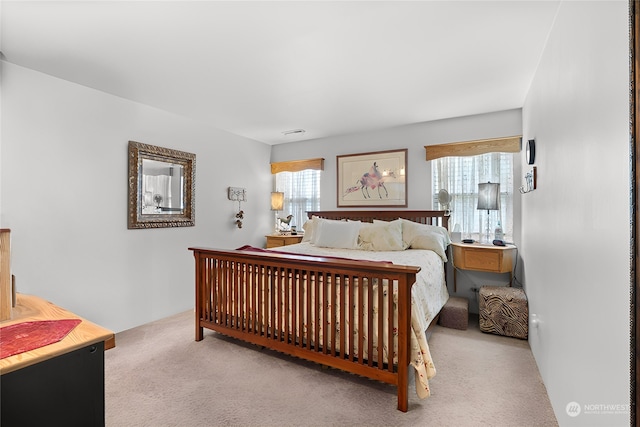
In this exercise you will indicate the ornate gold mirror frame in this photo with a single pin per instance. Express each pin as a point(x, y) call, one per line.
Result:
point(161, 187)
point(634, 135)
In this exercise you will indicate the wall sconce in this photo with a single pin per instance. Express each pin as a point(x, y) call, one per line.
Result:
point(277, 204)
point(239, 195)
point(489, 200)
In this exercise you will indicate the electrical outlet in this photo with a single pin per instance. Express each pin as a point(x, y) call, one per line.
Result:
point(535, 321)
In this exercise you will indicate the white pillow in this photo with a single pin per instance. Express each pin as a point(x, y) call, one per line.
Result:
point(425, 236)
point(336, 234)
point(382, 236)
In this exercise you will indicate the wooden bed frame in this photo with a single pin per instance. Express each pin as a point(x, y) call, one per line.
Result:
point(238, 294)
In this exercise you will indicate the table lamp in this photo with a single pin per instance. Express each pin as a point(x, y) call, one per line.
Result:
point(489, 200)
point(277, 203)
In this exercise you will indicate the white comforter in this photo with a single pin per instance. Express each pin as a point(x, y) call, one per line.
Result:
point(429, 294)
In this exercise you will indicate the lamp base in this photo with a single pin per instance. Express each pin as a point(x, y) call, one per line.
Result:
point(486, 236)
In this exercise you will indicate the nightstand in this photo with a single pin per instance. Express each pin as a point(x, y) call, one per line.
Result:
point(275, 240)
point(483, 257)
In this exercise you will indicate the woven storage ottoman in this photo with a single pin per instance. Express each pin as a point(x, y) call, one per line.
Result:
point(455, 313)
point(504, 311)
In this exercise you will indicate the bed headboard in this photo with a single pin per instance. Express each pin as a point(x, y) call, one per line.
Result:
point(440, 218)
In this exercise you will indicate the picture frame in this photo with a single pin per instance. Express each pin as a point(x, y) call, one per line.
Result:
point(375, 179)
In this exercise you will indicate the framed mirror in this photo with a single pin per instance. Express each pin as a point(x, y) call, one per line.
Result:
point(161, 187)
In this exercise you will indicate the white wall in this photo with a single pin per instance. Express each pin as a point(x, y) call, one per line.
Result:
point(575, 226)
point(64, 196)
point(414, 138)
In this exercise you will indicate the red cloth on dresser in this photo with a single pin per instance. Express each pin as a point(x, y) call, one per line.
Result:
point(26, 336)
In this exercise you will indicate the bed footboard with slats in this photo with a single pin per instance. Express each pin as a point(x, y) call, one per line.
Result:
point(336, 312)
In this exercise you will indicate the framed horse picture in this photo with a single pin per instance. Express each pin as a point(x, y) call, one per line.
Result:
point(377, 179)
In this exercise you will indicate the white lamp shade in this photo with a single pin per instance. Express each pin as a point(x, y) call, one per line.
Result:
point(277, 201)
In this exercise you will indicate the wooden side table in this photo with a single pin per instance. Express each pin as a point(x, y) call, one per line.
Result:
point(483, 257)
point(276, 240)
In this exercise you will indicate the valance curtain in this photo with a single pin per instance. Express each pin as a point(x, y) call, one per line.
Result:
point(297, 165)
point(509, 144)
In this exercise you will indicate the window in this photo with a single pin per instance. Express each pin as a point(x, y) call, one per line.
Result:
point(301, 193)
point(460, 176)
point(299, 180)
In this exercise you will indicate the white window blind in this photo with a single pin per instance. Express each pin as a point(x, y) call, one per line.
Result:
point(460, 176)
point(301, 193)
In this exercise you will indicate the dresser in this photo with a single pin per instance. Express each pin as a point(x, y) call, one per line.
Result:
point(59, 384)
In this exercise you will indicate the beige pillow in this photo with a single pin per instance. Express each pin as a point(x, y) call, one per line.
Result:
point(308, 227)
point(381, 236)
point(425, 236)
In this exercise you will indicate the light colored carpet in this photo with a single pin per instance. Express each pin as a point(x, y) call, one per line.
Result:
point(159, 376)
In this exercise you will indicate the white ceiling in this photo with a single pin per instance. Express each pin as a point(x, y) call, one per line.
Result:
point(258, 69)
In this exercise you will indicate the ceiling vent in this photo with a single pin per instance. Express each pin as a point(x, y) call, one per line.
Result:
point(294, 132)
